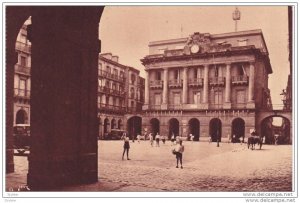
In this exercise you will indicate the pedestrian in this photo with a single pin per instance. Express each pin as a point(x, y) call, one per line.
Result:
point(157, 138)
point(179, 149)
point(192, 137)
point(177, 139)
point(138, 137)
point(151, 139)
point(163, 139)
point(126, 147)
point(172, 139)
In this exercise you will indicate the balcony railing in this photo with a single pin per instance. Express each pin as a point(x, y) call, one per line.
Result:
point(216, 106)
point(239, 80)
point(131, 109)
point(196, 82)
point(217, 81)
point(175, 83)
point(23, 47)
point(155, 107)
point(156, 84)
point(111, 91)
point(239, 105)
point(111, 108)
point(174, 106)
point(105, 74)
point(22, 93)
point(22, 69)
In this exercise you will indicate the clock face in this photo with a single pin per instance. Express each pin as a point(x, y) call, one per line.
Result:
point(195, 48)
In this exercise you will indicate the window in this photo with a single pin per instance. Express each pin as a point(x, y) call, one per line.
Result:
point(217, 71)
point(115, 72)
point(108, 69)
point(197, 97)
point(195, 72)
point(218, 97)
point(158, 75)
point(241, 70)
point(132, 93)
point(177, 98)
point(132, 103)
point(23, 60)
point(132, 78)
point(177, 74)
point(240, 97)
point(22, 87)
point(157, 99)
point(114, 87)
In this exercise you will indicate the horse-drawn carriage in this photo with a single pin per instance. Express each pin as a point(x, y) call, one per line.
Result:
point(254, 139)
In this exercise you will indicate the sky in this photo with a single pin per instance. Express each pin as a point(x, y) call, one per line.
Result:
point(127, 30)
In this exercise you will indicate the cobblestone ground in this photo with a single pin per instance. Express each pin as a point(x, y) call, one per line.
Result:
point(230, 167)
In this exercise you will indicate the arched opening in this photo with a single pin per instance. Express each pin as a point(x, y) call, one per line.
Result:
point(155, 126)
point(134, 126)
point(194, 128)
point(106, 126)
point(120, 124)
point(275, 130)
point(238, 130)
point(21, 117)
point(113, 124)
point(215, 129)
point(173, 127)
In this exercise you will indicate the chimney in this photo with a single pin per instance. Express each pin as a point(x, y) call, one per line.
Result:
point(115, 59)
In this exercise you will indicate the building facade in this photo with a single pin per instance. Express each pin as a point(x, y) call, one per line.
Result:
point(209, 85)
point(120, 94)
point(22, 80)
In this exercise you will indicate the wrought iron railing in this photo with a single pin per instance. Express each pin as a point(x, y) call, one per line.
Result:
point(22, 69)
point(22, 93)
point(196, 82)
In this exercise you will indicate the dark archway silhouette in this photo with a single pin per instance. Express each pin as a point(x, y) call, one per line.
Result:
point(173, 127)
point(106, 125)
point(155, 126)
point(194, 128)
point(120, 124)
point(21, 117)
point(113, 124)
point(215, 129)
point(237, 130)
point(276, 134)
point(134, 126)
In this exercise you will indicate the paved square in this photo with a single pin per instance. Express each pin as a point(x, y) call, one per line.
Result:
point(230, 167)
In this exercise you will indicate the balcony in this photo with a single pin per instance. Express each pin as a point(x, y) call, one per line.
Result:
point(175, 83)
point(196, 82)
point(239, 105)
point(156, 84)
point(217, 81)
point(154, 107)
point(239, 80)
point(23, 47)
point(105, 74)
point(114, 92)
point(131, 109)
point(21, 93)
point(216, 106)
point(22, 69)
point(174, 107)
point(111, 108)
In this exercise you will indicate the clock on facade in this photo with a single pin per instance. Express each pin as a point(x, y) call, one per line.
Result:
point(195, 48)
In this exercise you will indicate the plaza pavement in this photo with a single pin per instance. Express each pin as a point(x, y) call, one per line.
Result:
point(207, 168)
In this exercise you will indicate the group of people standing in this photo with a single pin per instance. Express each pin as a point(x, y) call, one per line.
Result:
point(178, 150)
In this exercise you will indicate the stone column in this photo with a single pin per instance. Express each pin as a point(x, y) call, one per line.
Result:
point(198, 72)
point(251, 103)
point(185, 86)
point(165, 90)
point(146, 105)
point(64, 122)
point(227, 103)
point(205, 84)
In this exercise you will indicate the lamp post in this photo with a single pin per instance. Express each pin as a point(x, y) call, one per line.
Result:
point(284, 100)
point(217, 132)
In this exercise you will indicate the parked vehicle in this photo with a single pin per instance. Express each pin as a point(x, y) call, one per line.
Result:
point(21, 134)
point(115, 134)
